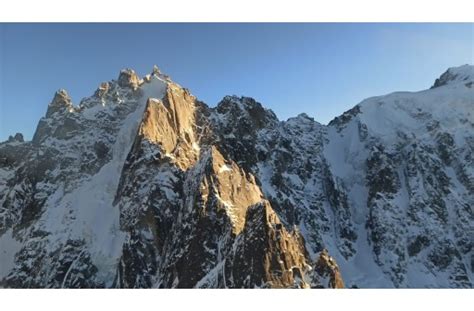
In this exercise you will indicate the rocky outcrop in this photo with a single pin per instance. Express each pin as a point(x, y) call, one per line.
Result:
point(61, 103)
point(102, 90)
point(326, 272)
point(170, 122)
point(462, 73)
point(267, 254)
point(128, 78)
point(17, 138)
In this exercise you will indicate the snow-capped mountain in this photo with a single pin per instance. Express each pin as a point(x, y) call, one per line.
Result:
point(143, 185)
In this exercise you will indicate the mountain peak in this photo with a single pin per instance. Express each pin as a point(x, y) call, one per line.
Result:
point(18, 137)
point(102, 89)
point(246, 106)
point(61, 102)
point(128, 78)
point(156, 70)
point(464, 74)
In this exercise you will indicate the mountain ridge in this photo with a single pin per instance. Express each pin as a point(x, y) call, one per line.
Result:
point(143, 185)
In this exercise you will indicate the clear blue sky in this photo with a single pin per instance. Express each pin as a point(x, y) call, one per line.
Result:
point(320, 69)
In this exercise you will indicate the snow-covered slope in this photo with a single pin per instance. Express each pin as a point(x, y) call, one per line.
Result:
point(405, 162)
point(143, 185)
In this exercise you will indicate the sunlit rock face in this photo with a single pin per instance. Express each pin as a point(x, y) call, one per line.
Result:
point(170, 123)
point(142, 185)
point(326, 272)
point(128, 79)
point(268, 255)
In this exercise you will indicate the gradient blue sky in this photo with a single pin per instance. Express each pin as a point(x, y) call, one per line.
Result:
point(320, 69)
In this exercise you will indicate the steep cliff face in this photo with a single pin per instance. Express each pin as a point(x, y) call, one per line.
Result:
point(328, 271)
point(267, 254)
point(143, 185)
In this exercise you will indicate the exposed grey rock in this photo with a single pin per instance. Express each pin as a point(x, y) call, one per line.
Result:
point(17, 138)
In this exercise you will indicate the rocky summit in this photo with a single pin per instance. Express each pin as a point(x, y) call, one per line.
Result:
point(142, 185)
